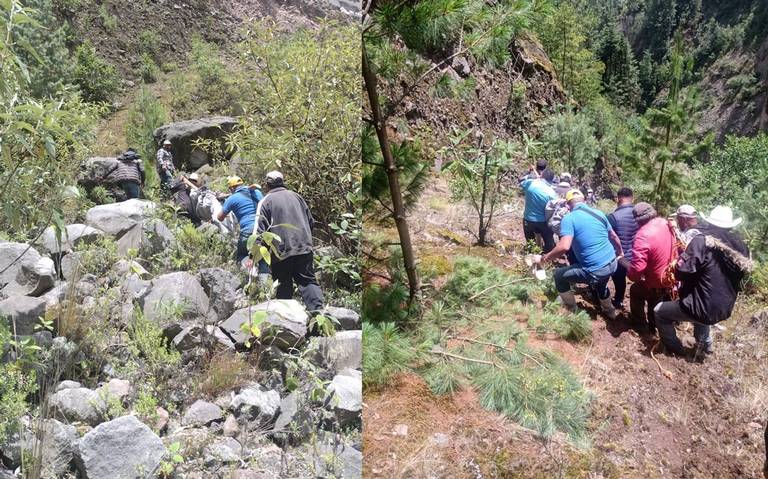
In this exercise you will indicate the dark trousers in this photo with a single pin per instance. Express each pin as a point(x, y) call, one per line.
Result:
point(639, 296)
point(131, 189)
point(242, 251)
point(299, 269)
point(532, 228)
point(620, 285)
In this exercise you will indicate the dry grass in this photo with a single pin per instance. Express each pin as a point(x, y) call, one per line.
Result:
point(224, 372)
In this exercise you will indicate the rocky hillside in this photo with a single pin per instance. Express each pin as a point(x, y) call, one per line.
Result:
point(220, 398)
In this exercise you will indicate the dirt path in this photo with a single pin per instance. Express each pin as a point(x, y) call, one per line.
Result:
point(704, 422)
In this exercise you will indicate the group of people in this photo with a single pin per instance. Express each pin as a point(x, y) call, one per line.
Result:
point(278, 210)
point(682, 270)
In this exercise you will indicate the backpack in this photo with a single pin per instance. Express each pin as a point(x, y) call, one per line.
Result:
point(207, 204)
point(554, 212)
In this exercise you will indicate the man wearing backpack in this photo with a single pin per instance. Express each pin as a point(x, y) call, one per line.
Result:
point(625, 226)
point(653, 251)
point(286, 214)
point(710, 272)
point(242, 202)
point(129, 173)
point(596, 248)
point(206, 204)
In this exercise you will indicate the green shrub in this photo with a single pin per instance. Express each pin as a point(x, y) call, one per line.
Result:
point(16, 384)
point(149, 343)
point(145, 115)
point(385, 303)
point(149, 69)
point(545, 396)
point(149, 43)
point(98, 257)
point(108, 20)
point(489, 285)
point(197, 249)
point(445, 377)
point(387, 352)
point(98, 80)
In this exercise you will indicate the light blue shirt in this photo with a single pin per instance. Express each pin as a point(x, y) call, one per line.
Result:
point(537, 193)
point(243, 204)
point(591, 244)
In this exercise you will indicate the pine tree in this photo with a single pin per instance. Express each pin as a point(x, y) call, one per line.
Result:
point(620, 78)
point(669, 140)
point(568, 138)
point(659, 22)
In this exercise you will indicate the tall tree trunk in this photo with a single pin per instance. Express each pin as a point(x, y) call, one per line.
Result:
point(483, 225)
point(379, 124)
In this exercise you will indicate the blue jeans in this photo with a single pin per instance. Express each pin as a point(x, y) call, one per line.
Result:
point(619, 284)
point(131, 189)
point(242, 251)
point(598, 279)
point(667, 313)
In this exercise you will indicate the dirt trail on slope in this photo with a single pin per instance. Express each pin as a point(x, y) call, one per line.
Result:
point(704, 422)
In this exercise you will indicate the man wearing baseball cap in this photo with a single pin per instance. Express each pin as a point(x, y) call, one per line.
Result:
point(243, 202)
point(710, 272)
point(165, 167)
point(596, 248)
point(286, 214)
point(688, 222)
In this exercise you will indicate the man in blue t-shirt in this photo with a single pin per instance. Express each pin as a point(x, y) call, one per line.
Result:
point(537, 192)
point(596, 247)
point(242, 201)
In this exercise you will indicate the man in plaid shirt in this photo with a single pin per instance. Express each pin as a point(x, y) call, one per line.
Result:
point(165, 167)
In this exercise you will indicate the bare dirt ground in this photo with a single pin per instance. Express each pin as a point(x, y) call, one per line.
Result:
point(704, 422)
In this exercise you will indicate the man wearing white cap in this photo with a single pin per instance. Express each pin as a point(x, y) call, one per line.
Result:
point(710, 272)
point(295, 259)
point(165, 167)
point(687, 222)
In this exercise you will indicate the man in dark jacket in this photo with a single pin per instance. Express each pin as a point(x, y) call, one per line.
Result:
point(294, 261)
point(710, 272)
point(129, 173)
point(623, 222)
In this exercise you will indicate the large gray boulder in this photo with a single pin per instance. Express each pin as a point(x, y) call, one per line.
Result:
point(147, 237)
point(78, 404)
point(117, 218)
point(24, 311)
point(175, 290)
point(70, 237)
point(345, 399)
point(284, 327)
point(123, 448)
point(347, 318)
point(294, 424)
point(222, 287)
point(57, 444)
point(182, 134)
point(24, 271)
point(223, 451)
point(202, 413)
point(95, 171)
point(256, 404)
point(340, 351)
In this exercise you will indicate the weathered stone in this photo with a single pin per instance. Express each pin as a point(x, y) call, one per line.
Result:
point(147, 237)
point(24, 311)
point(202, 413)
point(162, 419)
point(14, 256)
point(294, 424)
point(32, 279)
point(78, 404)
point(345, 399)
point(95, 171)
point(119, 388)
point(222, 287)
point(123, 448)
point(69, 265)
point(180, 289)
point(134, 287)
point(54, 297)
point(231, 428)
point(58, 446)
point(117, 218)
point(340, 351)
point(254, 403)
point(223, 451)
point(284, 327)
point(71, 236)
point(182, 135)
point(125, 267)
point(348, 319)
point(68, 385)
point(189, 338)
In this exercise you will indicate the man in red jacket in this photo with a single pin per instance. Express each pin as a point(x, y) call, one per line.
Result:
point(652, 252)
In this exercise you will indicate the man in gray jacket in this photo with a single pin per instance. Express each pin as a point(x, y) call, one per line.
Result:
point(286, 214)
point(128, 173)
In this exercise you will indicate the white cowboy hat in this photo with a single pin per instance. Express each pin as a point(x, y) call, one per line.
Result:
point(722, 217)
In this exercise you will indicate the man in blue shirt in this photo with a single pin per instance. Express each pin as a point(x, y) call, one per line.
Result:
point(537, 192)
point(242, 202)
point(596, 247)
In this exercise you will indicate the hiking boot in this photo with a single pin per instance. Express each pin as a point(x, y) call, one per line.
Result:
point(568, 300)
point(608, 310)
point(674, 350)
point(701, 351)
